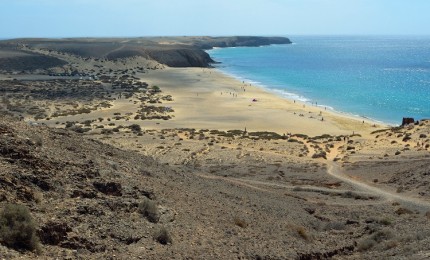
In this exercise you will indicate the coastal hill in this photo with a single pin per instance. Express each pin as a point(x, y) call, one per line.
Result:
point(171, 51)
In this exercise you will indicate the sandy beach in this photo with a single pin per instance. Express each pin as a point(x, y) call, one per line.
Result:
point(209, 99)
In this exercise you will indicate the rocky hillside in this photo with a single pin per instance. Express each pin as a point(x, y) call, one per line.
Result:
point(13, 59)
point(238, 41)
point(204, 195)
point(86, 198)
point(171, 51)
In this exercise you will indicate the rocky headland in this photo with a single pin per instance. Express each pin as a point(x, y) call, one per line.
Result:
point(171, 51)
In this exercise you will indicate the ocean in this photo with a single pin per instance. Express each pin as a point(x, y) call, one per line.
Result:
point(384, 78)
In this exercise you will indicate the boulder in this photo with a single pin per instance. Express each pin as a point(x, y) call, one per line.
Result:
point(407, 121)
point(109, 188)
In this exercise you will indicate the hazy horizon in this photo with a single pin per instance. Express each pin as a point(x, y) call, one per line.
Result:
point(134, 18)
point(257, 35)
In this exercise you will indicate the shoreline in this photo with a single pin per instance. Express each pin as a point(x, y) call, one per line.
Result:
point(194, 88)
point(372, 97)
point(290, 96)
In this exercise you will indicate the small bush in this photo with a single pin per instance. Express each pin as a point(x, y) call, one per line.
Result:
point(240, 222)
point(162, 236)
point(374, 239)
point(17, 228)
point(401, 211)
point(303, 233)
point(336, 225)
point(321, 154)
point(156, 89)
point(385, 221)
point(106, 131)
point(149, 210)
point(366, 244)
point(135, 128)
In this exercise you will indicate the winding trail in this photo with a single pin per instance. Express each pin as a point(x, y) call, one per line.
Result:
point(422, 206)
point(256, 185)
point(334, 170)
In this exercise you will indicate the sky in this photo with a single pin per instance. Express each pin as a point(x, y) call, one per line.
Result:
point(132, 18)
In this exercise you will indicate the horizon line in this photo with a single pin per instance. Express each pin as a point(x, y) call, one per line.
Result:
point(215, 35)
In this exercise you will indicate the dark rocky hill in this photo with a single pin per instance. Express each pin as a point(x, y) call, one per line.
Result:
point(171, 51)
point(239, 41)
point(86, 197)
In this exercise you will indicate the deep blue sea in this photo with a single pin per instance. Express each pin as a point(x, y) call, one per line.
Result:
point(383, 78)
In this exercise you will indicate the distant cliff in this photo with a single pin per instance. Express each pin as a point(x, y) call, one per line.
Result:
point(189, 51)
point(171, 51)
point(181, 57)
point(239, 41)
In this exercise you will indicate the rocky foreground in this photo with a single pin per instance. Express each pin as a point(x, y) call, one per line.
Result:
point(250, 198)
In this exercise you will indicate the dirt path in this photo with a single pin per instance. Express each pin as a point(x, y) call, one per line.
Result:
point(334, 170)
point(257, 185)
point(117, 49)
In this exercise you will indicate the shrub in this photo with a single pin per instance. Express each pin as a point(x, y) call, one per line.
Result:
point(149, 210)
point(385, 221)
point(69, 124)
point(366, 244)
point(336, 225)
point(321, 154)
point(240, 222)
point(135, 128)
point(301, 231)
point(17, 228)
point(162, 236)
point(87, 122)
point(156, 89)
point(375, 238)
point(106, 131)
point(401, 211)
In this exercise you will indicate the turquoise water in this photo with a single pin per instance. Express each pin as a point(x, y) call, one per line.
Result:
point(382, 78)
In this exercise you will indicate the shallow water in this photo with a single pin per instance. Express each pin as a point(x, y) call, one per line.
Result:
point(379, 77)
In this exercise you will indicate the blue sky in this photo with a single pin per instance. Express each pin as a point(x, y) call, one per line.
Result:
point(81, 18)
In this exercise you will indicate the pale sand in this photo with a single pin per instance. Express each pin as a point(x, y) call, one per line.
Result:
point(198, 103)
